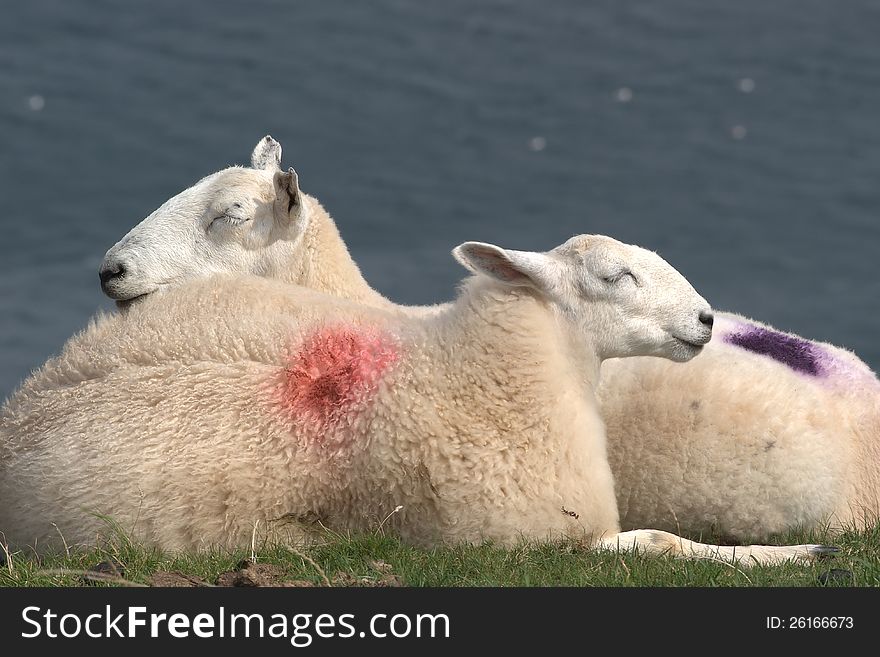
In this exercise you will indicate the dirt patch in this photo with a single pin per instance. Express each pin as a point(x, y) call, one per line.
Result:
point(109, 570)
point(162, 578)
point(837, 577)
point(248, 573)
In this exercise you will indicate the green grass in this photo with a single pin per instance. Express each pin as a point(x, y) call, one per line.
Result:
point(364, 558)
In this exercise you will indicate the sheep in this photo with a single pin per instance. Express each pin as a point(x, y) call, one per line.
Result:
point(231, 402)
point(763, 433)
point(247, 220)
point(737, 442)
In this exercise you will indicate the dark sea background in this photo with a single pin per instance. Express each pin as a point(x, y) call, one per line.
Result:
point(740, 140)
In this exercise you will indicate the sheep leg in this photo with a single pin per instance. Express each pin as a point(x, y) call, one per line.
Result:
point(653, 541)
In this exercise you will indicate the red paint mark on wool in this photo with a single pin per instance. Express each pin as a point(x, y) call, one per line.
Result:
point(334, 373)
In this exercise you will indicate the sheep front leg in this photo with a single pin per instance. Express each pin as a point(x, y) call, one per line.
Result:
point(653, 541)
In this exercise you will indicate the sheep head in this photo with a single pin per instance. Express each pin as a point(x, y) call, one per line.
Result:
point(622, 300)
point(242, 220)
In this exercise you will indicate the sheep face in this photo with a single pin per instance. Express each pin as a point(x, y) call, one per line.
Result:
point(617, 299)
point(235, 220)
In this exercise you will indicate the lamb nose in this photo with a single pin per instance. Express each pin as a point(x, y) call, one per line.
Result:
point(111, 271)
point(707, 318)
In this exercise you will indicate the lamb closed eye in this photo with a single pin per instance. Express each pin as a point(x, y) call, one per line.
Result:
point(230, 219)
point(619, 276)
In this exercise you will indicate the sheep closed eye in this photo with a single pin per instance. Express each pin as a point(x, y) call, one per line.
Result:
point(229, 219)
point(620, 276)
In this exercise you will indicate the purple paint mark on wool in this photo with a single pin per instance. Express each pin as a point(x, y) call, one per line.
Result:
point(798, 354)
point(832, 366)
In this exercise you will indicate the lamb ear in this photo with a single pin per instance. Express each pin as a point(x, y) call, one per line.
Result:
point(517, 268)
point(266, 155)
point(288, 198)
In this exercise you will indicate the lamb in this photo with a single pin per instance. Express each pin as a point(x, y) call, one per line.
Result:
point(745, 441)
point(234, 401)
point(763, 433)
point(254, 221)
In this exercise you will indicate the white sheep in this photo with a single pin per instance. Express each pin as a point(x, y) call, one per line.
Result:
point(740, 441)
point(236, 401)
point(763, 433)
point(254, 221)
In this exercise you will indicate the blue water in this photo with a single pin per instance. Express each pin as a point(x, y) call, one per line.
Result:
point(740, 140)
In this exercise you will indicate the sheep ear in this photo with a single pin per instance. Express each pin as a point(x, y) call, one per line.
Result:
point(266, 155)
point(517, 268)
point(288, 198)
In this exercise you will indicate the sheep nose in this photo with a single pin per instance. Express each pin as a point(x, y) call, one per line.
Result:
point(109, 272)
point(707, 318)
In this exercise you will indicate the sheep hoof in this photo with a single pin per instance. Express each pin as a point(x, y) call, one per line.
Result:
point(823, 550)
